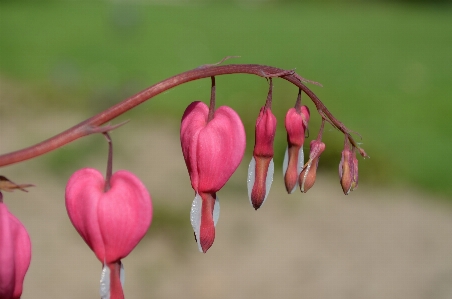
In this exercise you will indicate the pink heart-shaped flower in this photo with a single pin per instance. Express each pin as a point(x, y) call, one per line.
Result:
point(212, 151)
point(112, 223)
point(15, 254)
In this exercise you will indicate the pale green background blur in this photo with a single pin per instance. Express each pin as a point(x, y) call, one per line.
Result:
point(385, 66)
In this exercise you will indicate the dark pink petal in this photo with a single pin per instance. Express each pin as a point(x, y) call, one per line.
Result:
point(15, 254)
point(112, 223)
point(213, 150)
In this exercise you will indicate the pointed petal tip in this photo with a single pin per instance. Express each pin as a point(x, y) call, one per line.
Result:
point(256, 206)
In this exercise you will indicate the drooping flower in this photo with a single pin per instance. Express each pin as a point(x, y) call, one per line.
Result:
point(309, 172)
point(296, 123)
point(212, 151)
point(111, 222)
point(261, 168)
point(348, 168)
point(15, 253)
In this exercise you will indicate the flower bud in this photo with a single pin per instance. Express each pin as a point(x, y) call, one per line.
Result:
point(261, 168)
point(309, 172)
point(348, 170)
point(296, 124)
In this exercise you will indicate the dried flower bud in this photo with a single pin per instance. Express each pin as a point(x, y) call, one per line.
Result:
point(348, 170)
point(309, 172)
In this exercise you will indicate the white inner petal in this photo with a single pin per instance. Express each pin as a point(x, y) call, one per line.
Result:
point(122, 275)
point(251, 177)
point(105, 283)
point(269, 179)
point(285, 162)
point(216, 211)
point(300, 161)
point(195, 218)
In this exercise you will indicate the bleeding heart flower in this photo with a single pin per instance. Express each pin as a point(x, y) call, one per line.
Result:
point(111, 222)
point(261, 168)
point(296, 123)
point(212, 151)
point(15, 253)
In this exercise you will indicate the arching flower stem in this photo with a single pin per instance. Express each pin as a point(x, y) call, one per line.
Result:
point(92, 124)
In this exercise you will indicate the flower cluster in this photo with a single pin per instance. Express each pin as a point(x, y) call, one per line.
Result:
point(113, 214)
point(213, 144)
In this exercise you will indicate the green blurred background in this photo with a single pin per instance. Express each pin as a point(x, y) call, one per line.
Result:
point(385, 67)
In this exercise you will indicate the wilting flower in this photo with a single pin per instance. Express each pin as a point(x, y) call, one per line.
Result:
point(348, 169)
point(15, 253)
point(111, 222)
point(261, 168)
point(296, 123)
point(212, 151)
point(309, 172)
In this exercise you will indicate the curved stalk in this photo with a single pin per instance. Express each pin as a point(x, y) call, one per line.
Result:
point(92, 124)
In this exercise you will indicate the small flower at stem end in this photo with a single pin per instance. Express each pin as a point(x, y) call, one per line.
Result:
point(348, 169)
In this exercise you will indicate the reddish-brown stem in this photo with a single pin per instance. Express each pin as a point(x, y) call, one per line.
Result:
point(298, 102)
point(268, 102)
point(212, 100)
point(109, 162)
point(89, 126)
point(319, 136)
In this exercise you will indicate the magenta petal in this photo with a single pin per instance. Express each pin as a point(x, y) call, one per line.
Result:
point(112, 223)
point(15, 254)
point(212, 150)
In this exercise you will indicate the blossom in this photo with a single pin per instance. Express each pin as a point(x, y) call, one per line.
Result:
point(309, 172)
point(111, 222)
point(212, 152)
point(296, 123)
point(261, 168)
point(15, 253)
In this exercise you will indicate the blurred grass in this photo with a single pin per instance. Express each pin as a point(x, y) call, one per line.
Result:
point(386, 68)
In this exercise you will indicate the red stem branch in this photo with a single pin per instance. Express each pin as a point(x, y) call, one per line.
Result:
point(89, 126)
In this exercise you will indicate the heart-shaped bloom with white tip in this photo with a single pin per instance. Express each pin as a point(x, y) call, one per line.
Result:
point(111, 222)
point(212, 151)
point(261, 168)
point(296, 123)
